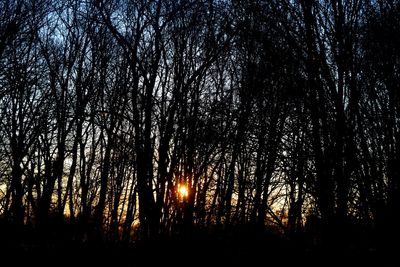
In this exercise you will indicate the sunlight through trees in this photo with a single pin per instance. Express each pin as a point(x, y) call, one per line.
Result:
point(281, 115)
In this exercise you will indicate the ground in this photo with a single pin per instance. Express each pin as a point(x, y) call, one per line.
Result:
point(214, 250)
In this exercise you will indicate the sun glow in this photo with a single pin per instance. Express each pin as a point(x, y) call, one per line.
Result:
point(183, 191)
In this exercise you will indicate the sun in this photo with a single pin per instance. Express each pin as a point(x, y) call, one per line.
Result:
point(183, 191)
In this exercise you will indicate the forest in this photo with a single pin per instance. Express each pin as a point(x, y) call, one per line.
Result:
point(273, 123)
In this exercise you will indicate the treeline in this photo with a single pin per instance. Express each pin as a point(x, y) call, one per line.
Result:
point(280, 113)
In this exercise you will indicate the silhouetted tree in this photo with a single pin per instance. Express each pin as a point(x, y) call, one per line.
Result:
point(142, 119)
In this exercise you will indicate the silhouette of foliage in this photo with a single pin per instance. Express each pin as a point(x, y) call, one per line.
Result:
point(195, 123)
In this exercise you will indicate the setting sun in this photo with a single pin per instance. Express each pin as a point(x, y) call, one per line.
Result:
point(183, 191)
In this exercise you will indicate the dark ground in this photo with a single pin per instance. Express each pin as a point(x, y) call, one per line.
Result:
point(191, 253)
point(238, 249)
